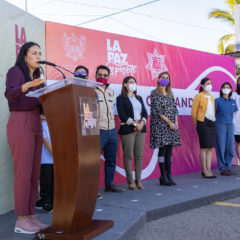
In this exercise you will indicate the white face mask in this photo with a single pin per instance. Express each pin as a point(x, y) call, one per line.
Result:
point(132, 87)
point(226, 91)
point(208, 88)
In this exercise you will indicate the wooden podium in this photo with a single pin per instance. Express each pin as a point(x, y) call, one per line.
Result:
point(72, 113)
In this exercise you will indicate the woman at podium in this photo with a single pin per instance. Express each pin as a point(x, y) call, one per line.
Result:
point(24, 134)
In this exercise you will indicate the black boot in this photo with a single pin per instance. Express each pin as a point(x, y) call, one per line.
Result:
point(168, 164)
point(163, 180)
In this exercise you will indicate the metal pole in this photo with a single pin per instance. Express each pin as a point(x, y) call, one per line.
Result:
point(26, 5)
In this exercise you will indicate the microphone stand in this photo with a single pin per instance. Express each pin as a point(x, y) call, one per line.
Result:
point(57, 68)
point(65, 69)
point(64, 77)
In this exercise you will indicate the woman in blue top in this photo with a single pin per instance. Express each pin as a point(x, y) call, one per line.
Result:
point(225, 106)
point(236, 118)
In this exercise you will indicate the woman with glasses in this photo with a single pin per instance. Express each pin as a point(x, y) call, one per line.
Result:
point(203, 114)
point(133, 116)
point(225, 107)
point(236, 118)
point(164, 133)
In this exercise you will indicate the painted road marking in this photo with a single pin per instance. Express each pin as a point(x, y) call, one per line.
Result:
point(227, 204)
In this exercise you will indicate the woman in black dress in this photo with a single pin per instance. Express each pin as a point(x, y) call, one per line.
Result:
point(164, 132)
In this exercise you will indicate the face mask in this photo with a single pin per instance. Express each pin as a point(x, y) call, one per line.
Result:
point(163, 82)
point(208, 88)
point(102, 80)
point(132, 87)
point(226, 91)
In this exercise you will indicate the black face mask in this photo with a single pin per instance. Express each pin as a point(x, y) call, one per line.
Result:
point(80, 75)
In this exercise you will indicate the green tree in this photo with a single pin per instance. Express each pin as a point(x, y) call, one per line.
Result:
point(225, 43)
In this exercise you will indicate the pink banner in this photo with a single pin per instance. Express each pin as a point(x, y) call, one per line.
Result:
point(70, 46)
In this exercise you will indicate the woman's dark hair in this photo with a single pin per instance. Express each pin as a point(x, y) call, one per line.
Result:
point(124, 91)
point(81, 66)
point(103, 67)
point(20, 62)
point(226, 83)
point(203, 81)
point(238, 87)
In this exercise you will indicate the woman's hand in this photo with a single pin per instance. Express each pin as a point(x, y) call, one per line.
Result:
point(173, 126)
point(140, 126)
point(33, 83)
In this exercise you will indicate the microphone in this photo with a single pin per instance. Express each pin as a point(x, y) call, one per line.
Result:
point(56, 67)
point(47, 63)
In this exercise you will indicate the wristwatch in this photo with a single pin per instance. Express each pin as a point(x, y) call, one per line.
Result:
point(134, 124)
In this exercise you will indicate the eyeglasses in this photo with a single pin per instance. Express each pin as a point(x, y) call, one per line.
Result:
point(81, 73)
point(102, 75)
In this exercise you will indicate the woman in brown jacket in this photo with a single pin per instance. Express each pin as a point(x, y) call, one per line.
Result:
point(203, 114)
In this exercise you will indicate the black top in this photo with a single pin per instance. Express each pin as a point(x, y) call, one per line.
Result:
point(125, 111)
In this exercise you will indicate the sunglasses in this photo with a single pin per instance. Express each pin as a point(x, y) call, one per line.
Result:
point(102, 75)
point(81, 73)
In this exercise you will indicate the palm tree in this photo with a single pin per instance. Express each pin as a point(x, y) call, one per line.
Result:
point(225, 43)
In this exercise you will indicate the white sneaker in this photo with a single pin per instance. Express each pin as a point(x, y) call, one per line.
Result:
point(25, 226)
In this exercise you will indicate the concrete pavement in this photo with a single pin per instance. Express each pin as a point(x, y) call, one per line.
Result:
point(132, 209)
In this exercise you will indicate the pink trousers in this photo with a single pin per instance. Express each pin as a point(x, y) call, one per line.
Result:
point(24, 133)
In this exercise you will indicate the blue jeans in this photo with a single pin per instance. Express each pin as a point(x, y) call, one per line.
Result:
point(224, 146)
point(109, 144)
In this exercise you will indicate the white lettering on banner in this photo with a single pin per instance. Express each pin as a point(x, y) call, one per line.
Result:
point(156, 63)
point(74, 46)
point(183, 97)
point(118, 59)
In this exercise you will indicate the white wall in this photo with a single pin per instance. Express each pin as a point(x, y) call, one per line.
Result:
point(15, 26)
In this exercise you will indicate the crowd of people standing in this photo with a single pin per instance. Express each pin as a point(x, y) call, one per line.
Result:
point(217, 123)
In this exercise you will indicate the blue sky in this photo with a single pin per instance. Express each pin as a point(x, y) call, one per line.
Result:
point(182, 23)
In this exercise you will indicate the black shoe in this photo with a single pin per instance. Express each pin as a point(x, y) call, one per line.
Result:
point(164, 182)
point(99, 197)
point(40, 203)
point(209, 177)
point(114, 188)
point(48, 207)
point(171, 180)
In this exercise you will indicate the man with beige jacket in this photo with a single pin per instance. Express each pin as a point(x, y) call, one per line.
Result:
point(106, 123)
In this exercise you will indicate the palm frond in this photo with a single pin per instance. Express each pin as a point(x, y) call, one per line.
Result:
point(232, 3)
point(227, 37)
point(222, 15)
point(221, 47)
point(230, 48)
